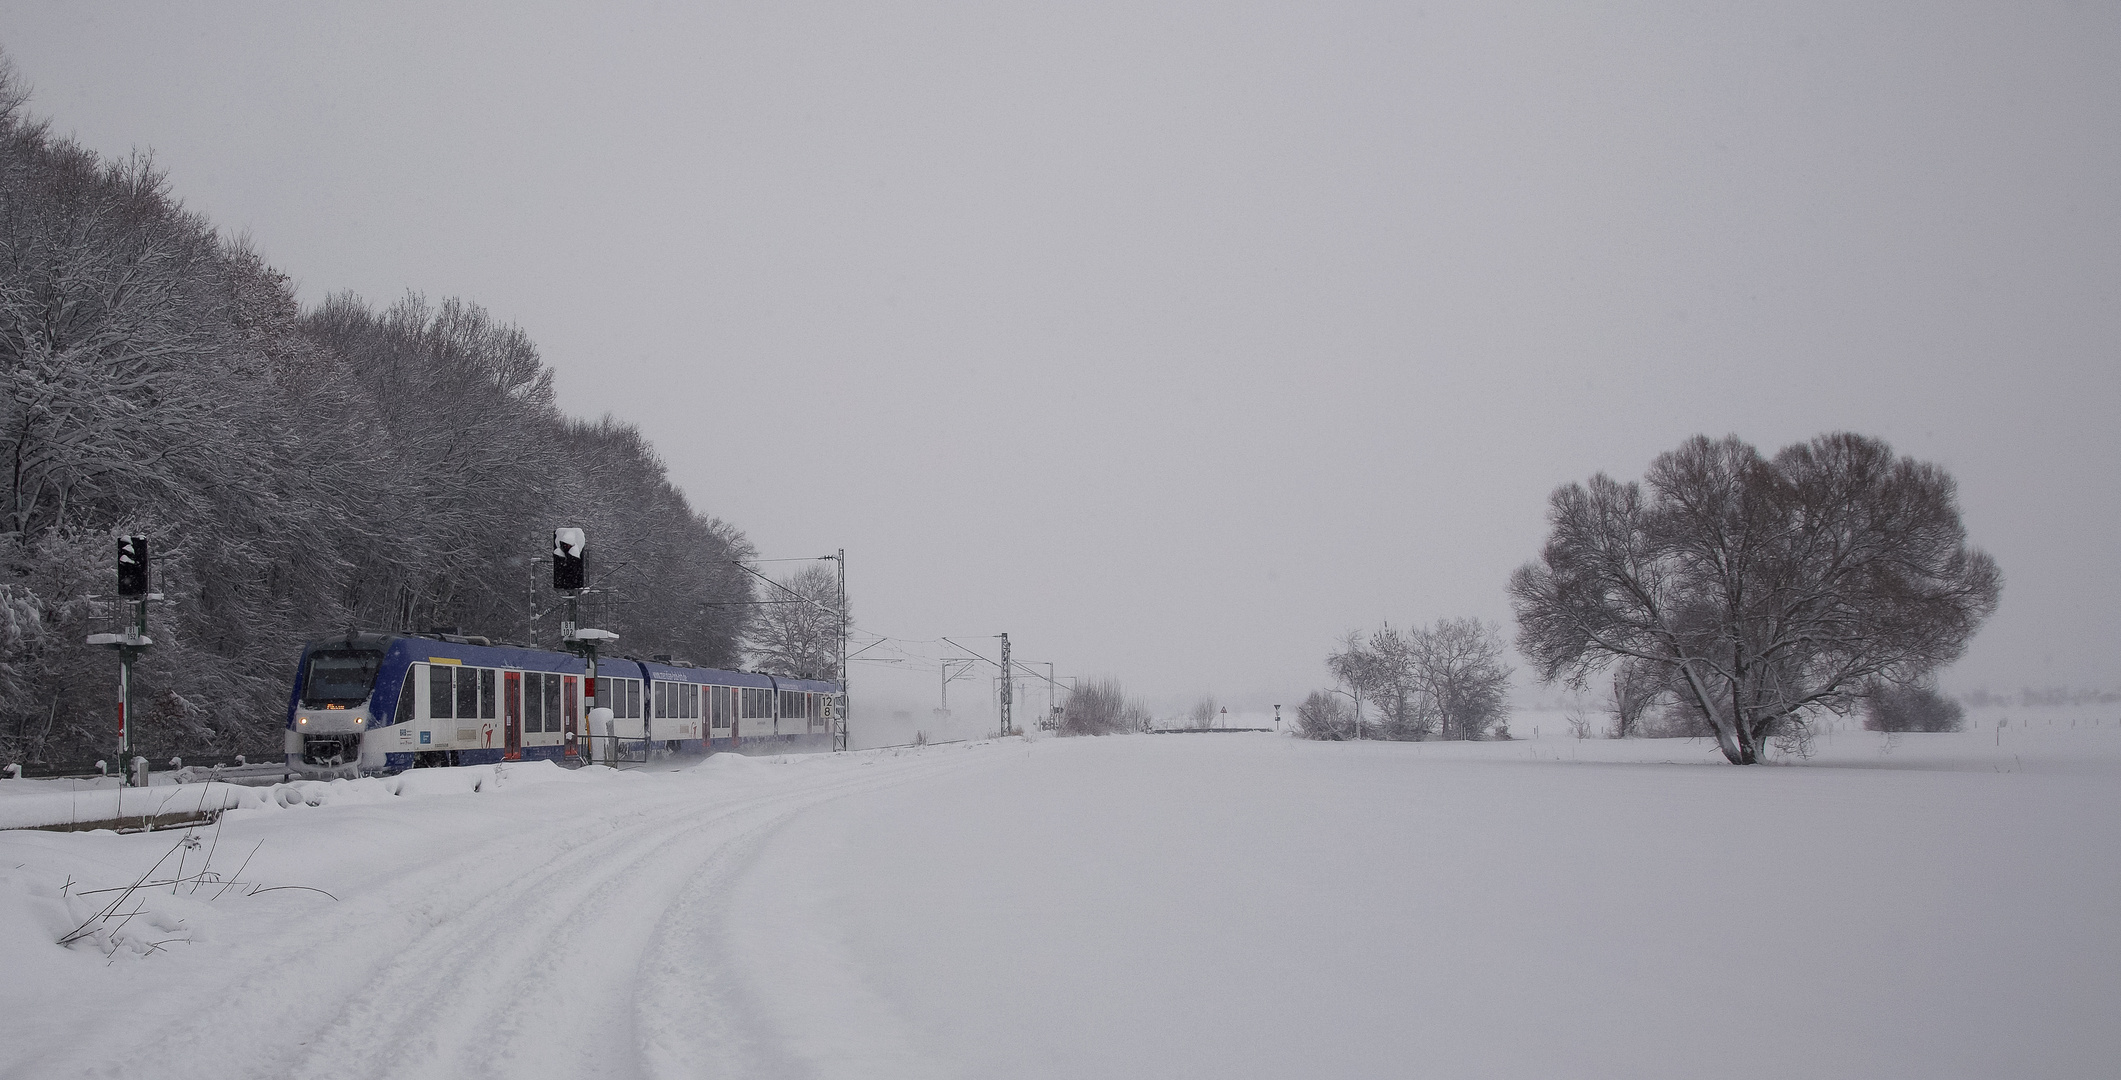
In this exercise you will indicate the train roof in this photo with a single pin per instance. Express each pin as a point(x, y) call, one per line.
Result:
point(664, 672)
point(467, 649)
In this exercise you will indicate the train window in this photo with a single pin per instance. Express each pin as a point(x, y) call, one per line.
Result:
point(602, 698)
point(405, 695)
point(692, 703)
point(633, 699)
point(533, 713)
point(339, 677)
point(552, 702)
point(468, 694)
point(441, 690)
point(662, 700)
point(717, 707)
point(487, 703)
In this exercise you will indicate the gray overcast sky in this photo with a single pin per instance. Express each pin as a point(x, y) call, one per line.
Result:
point(1176, 339)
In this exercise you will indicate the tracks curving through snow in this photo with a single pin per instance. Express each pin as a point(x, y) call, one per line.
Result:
point(575, 934)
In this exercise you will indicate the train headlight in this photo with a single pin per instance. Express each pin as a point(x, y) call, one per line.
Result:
point(303, 720)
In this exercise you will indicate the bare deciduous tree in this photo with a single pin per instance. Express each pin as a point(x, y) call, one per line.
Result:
point(1761, 589)
point(797, 630)
point(1203, 712)
point(1636, 687)
point(1101, 707)
point(1445, 679)
point(1325, 715)
point(1460, 668)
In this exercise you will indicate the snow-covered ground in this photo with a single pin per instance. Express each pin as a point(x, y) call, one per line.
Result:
point(1228, 905)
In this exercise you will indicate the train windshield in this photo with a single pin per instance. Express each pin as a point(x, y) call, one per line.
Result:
point(339, 677)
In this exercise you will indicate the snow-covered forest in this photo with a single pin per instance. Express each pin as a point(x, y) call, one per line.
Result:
point(297, 471)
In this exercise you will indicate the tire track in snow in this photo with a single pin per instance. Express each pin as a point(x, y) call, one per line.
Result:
point(716, 1022)
point(539, 976)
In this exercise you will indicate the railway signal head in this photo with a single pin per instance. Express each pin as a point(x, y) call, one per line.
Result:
point(132, 566)
point(567, 567)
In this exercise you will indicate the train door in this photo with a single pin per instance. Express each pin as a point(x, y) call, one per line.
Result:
point(512, 716)
point(570, 701)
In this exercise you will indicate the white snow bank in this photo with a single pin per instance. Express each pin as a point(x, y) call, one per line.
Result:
point(29, 807)
point(731, 763)
point(35, 804)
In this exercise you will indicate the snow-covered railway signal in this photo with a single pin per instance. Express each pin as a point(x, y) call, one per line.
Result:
point(133, 584)
point(132, 566)
point(568, 569)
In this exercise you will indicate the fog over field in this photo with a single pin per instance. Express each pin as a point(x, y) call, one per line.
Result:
point(1176, 340)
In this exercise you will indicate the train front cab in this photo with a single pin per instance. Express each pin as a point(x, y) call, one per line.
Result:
point(332, 718)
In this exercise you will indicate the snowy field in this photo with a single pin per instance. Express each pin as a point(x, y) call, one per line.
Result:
point(1227, 905)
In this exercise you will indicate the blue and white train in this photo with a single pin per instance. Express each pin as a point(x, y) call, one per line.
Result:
point(374, 704)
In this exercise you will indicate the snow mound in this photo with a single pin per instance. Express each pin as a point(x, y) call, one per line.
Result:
point(516, 774)
point(731, 763)
point(67, 805)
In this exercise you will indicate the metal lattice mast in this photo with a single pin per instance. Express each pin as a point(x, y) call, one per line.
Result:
point(839, 723)
point(1008, 687)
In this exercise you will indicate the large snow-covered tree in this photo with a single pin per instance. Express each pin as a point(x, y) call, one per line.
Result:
point(1762, 589)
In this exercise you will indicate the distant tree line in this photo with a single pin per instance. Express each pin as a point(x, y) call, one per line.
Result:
point(2053, 695)
point(298, 473)
point(1442, 681)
